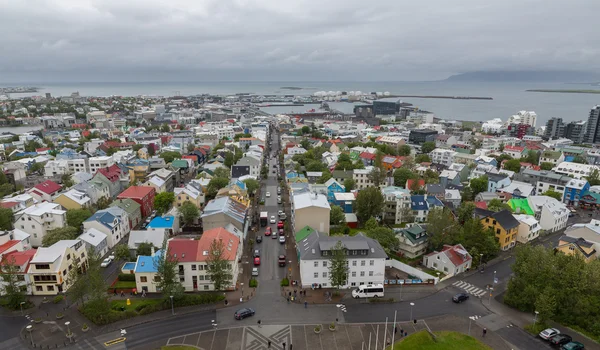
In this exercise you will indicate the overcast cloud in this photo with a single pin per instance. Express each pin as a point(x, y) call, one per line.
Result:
point(151, 40)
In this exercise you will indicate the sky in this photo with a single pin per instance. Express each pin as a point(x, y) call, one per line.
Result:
point(291, 40)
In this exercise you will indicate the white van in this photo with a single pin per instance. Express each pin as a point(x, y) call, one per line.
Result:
point(368, 291)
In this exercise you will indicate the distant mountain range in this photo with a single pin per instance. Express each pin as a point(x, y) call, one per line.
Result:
point(528, 76)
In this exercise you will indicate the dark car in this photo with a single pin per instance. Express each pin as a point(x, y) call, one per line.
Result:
point(256, 253)
point(460, 297)
point(560, 339)
point(574, 345)
point(258, 239)
point(243, 313)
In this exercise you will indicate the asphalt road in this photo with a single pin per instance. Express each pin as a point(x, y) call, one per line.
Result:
point(11, 326)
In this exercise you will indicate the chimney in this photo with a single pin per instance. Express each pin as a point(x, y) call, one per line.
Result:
point(152, 251)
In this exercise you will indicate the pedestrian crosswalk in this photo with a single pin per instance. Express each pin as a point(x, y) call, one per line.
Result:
point(469, 288)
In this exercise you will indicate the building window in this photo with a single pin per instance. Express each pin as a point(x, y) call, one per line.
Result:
point(39, 288)
point(143, 279)
point(353, 273)
point(64, 272)
point(370, 273)
point(193, 267)
point(362, 274)
point(363, 262)
point(316, 264)
point(353, 262)
point(206, 287)
point(51, 288)
point(324, 263)
point(324, 274)
point(182, 279)
point(316, 275)
point(372, 262)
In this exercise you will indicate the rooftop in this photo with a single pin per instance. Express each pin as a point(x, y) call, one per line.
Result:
point(138, 192)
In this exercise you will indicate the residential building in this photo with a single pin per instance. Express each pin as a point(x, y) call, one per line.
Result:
point(555, 128)
point(497, 182)
point(412, 240)
point(20, 260)
point(143, 195)
point(345, 200)
point(95, 240)
point(168, 176)
point(100, 162)
point(578, 246)
point(158, 184)
point(132, 208)
point(333, 187)
point(523, 117)
point(222, 211)
point(49, 268)
point(246, 166)
point(114, 177)
point(575, 131)
point(515, 151)
point(366, 260)
point(40, 218)
point(310, 209)
point(519, 189)
point(362, 178)
point(574, 190)
point(74, 199)
point(397, 203)
point(45, 191)
point(170, 223)
point(529, 228)
point(442, 156)
point(575, 170)
point(113, 224)
point(553, 157)
point(420, 136)
point(146, 272)
point(193, 259)
point(419, 207)
point(551, 213)
point(505, 228)
point(191, 192)
point(592, 134)
point(157, 237)
point(445, 141)
point(451, 261)
point(544, 180)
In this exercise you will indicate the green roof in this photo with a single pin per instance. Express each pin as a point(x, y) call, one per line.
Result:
point(305, 232)
point(521, 206)
point(551, 154)
point(179, 163)
point(595, 196)
point(127, 204)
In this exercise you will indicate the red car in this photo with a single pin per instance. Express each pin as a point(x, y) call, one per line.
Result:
point(268, 231)
point(280, 224)
point(256, 261)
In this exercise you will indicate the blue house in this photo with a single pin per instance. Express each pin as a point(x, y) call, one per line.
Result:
point(574, 190)
point(497, 181)
point(487, 160)
point(420, 207)
point(145, 271)
point(344, 200)
point(434, 202)
point(167, 222)
point(333, 187)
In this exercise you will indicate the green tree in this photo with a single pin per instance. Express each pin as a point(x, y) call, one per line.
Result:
point(59, 234)
point(502, 158)
point(221, 172)
point(546, 166)
point(427, 147)
point(498, 205)
point(76, 217)
point(219, 268)
point(422, 158)
point(137, 147)
point(167, 278)
point(338, 265)
point(579, 159)
point(189, 212)
point(305, 130)
point(431, 177)
point(110, 151)
point(369, 203)
point(315, 165)
point(349, 184)
point(10, 287)
point(553, 194)
point(378, 174)
point(401, 175)
point(404, 150)
point(337, 216)
point(228, 160)
point(371, 224)
point(165, 128)
point(6, 219)
point(103, 203)
point(144, 249)
point(31, 146)
point(252, 186)
point(344, 163)
point(324, 178)
point(169, 156)
point(151, 149)
point(66, 181)
point(477, 240)
point(467, 194)
point(594, 178)
point(385, 236)
point(441, 228)
point(305, 144)
point(215, 184)
point(465, 212)
point(36, 168)
point(122, 252)
point(78, 287)
point(513, 165)
point(531, 157)
point(479, 184)
point(163, 202)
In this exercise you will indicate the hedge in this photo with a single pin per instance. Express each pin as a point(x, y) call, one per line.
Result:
point(130, 277)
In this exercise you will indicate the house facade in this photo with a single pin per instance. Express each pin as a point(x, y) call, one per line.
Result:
point(412, 241)
point(452, 260)
point(49, 268)
point(505, 228)
point(40, 218)
point(143, 195)
point(310, 209)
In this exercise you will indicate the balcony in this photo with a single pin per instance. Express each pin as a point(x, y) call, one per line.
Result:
point(48, 219)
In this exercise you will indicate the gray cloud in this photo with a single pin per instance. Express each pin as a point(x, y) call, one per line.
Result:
point(91, 40)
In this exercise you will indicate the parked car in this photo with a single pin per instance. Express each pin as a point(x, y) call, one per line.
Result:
point(243, 313)
point(280, 224)
point(268, 194)
point(255, 271)
point(256, 253)
point(574, 345)
point(560, 339)
point(106, 262)
point(258, 239)
point(275, 235)
point(279, 199)
point(549, 333)
point(282, 239)
point(283, 217)
point(460, 297)
point(268, 231)
point(273, 220)
point(282, 260)
point(280, 212)
point(257, 261)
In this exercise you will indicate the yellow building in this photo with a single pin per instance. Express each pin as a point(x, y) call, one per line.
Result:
point(138, 171)
point(191, 192)
point(505, 228)
point(143, 153)
point(49, 268)
point(577, 246)
point(236, 191)
point(74, 199)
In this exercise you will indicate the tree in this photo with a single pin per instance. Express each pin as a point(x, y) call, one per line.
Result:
point(465, 211)
point(169, 156)
point(502, 158)
point(337, 216)
point(579, 159)
point(305, 130)
point(6, 219)
point(546, 166)
point(594, 178)
point(479, 184)
point(467, 194)
point(66, 180)
point(219, 268)
point(344, 163)
point(151, 149)
point(251, 185)
point(349, 184)
point(59, 234)
point(401, 175)
point(137, 147)
point(78, 287)
point(422, 158)
point(76, 217)
point(441, 228)
point(10, 275)
point(103, 203)
point(36, 168)
point(110, 151)
point(165, 128)
point(431, 177)
point(338, 265)
point(407, 215)
point(315, 165)
point(228, 160)
point(385, 236)
point(221, 172)
point(498, 205)
point(378, 174)
point(553, 194)
point(122, 252)
point(427, 147)
point(190, 212)
point(371, 224)
point(369, 203)
point(305, 144)
point(144, 249)
point(501, 147)
point(531, 157)
point(404, 150)
point(167, 278)
point(215, 184)
point(163, 202)
point(513, 165)
point(324, 178)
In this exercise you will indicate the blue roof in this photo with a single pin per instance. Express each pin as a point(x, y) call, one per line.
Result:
point(434, 202)
point(103, 216)
point(146, 264)
point(241, 184)
point(418, 202)
point(291, 175)
point(162, 222)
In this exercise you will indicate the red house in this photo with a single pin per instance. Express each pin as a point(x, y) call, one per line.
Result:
point(143, 195)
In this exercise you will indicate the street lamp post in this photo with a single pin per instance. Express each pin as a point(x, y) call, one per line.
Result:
point(481, 260)
point(242, 284)
point(535, 317)
point(29, 329)
point(21, 305)
point(411, 309)
point(401, 285)
point(491, 292)
point(69, 331)
point(172, 308)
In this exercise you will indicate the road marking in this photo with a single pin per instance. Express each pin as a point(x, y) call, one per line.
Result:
point(114, 341)
point(469, 288)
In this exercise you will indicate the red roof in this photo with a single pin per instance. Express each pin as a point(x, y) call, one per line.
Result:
point(43, 149)
point(514, 148)
point(193, 158)
point(410, 183)
point(48, 187)
point(86, 133)
point(8, 205)
point(6, 246)
point(367, 155)
point(191, 250)
point(117, 144)
point(112, 173)
point(136, 192)
point(453, 253)
point(19, 258)
point(185, 250)
point(481, 205)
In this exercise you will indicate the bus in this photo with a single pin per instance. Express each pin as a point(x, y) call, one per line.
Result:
point(368, 291)
point(264, 218)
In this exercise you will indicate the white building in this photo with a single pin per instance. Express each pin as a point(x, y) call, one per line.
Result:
point(95, 240)
point(442, 156)
point(575, 170)
point(529, 228)
point(523, 117)
point(40, 218)
point(551, 213)
point(452, 260)
point(366, 260)
point(494, 126)
point(100, 162)
point(296, 150)
point(310, 209)
point(113, 222)
point(49, 268)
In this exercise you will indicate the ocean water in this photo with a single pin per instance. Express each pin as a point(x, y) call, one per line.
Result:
point(508, 98)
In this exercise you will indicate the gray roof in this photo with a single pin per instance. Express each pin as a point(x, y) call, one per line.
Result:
point(227, 206)
point(248, 161)
point(435, 188)
point(312, 246)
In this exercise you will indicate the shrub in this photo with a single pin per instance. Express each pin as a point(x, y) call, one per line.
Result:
point(285, 282)
point(58, 299)
point(126, 277)
point(254, 283)
point(318, 328)
point(85, 326)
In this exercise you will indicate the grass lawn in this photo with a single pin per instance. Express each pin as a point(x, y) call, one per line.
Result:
point(445, 341)
point(135, 302)
point(123, 285)
point(177, 347)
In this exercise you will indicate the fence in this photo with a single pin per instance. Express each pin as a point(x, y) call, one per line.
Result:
point(423, 276)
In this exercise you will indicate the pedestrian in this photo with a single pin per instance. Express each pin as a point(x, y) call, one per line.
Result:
point(288, 299)
point(405, 334)
point(269, 344)
point(115, 292)
point(305, 304)
point(401, 331)
point(484, 332)
point(283, 346)
point(122, 294)
point(395, 329)
point(290, 346)
point(259, 323)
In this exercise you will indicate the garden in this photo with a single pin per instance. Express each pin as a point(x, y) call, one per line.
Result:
point(442, 341)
